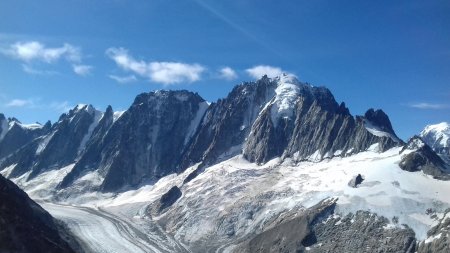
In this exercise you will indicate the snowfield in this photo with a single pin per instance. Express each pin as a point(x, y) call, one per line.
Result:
point(235, 198)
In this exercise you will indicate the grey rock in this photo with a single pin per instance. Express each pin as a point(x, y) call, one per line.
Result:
point(146, 143)
point(438, 237)
point(318, 124)
point(228, 122)
point(61, 148)
point(17, 135)
point(360, 232)
point(423, 158)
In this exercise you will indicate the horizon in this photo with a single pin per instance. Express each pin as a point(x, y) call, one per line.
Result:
point(384, 55)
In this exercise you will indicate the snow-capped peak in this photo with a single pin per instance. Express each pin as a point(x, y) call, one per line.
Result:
point(437, 136)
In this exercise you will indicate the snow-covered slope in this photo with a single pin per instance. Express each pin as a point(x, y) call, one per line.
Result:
point(438, 138)
point(235, 198)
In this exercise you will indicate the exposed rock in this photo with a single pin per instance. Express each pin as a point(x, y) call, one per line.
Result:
point(316, 128)
point(360, 232)
point(24, 225)
point(228, 122)
point(59, 147)
point(355, 181)
point(14, 135)
point(422, 158)
point(438, 240)
point(287, 236)
point(166, 200)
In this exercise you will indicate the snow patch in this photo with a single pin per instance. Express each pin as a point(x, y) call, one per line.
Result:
point(202, 107)
point(286, 95)
point(43, 144)
point(375, 130)
point(97, 117)
point(117, 115)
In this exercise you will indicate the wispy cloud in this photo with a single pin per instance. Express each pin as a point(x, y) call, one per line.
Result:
point(63, 106)
point(31, 70)
point(123, 79)
point(429, 106)
point(20, 103)
point(82, 70)
point(34, 50)
point(227, 73)
point(165, 73)
point(261, 70)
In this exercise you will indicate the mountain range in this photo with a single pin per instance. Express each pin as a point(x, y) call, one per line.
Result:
point(265, 169)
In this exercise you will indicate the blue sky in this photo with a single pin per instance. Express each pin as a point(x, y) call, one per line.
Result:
point(393, 55)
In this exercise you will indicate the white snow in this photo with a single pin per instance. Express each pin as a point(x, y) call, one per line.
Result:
point(202, 107)
point(43, 144)
point(31, 126)
point(286, 95)
point(97, 117)
point(437, 135)
point(375, 130)
point(117, 115)
point(432, 238)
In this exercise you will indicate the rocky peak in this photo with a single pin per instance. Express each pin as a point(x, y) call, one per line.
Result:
point(379, 119)
point(418, 156)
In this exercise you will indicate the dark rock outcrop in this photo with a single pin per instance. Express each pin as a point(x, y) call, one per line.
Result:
point(166, 200)
point(355, 181)
point(24, 225)
point(423, 158)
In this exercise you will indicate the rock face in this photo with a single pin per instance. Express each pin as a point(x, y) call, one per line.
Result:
point(147, 142)
point(438, 240)
point(24, 225)
point(228, 122)
point(14, 135)
point(302, 122)
point(317, 229)
point(420, 157)
point(60, 146)
point(360, 232)
point(438, 138)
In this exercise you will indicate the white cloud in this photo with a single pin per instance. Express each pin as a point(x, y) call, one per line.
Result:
point(429, 106)
point(228, 73)
point(30, 70)
point(63, 106)
point(82, 70)
point(261, 70)
point(160, 72)
point(34, 50)
point(20, 103)
point(123, 79)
